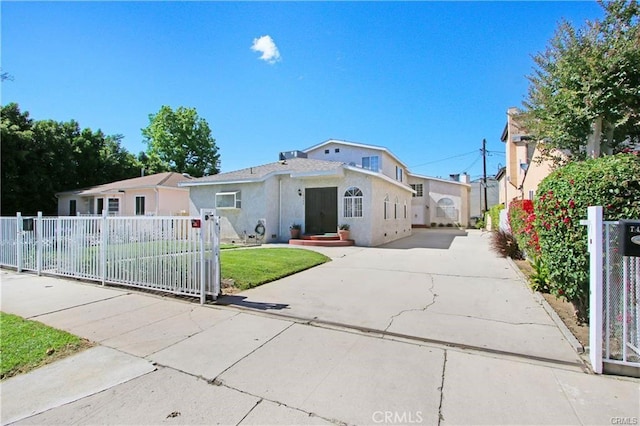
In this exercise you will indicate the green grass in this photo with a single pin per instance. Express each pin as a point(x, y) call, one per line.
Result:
point(253, 267)
point(25, 345)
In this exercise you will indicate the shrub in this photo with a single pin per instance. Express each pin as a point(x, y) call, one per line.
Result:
point(505, 245)
point(494, 212)
point(521, 222)
point(480, 224)
point(539, 279)
point(563, 198)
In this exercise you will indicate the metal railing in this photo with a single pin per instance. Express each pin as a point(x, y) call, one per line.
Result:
point(614, 306)
point(160, 253)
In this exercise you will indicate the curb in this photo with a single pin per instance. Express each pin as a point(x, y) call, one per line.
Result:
point(569, 337)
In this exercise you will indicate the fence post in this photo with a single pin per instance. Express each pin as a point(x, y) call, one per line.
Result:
point(594, 217)
point(39, 244)
point(103, 247)
point(19, 241)
point(203, 278)
point(216, 258)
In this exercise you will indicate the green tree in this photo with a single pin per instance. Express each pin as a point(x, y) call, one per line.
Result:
point(182, 140)
point(17, 136)
point(41, 158)
point(587, 76)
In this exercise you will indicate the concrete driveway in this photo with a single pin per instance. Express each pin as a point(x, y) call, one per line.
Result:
point(442, 285)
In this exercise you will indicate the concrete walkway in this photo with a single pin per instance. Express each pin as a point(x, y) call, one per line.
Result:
point(163, 360)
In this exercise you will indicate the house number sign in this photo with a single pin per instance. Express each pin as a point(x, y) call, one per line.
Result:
point(629, 237)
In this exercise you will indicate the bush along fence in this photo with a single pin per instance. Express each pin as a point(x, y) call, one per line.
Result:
point(178, 255)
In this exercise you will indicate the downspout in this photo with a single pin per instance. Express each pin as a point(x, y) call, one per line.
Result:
point(157, 200)
point(279, 207)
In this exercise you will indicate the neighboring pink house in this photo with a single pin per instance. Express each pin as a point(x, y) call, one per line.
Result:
point(156, 195)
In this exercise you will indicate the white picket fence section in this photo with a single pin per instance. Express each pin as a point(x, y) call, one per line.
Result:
point(170, 254)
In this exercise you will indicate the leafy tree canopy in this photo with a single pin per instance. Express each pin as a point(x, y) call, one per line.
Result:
point(588, 74)
point(181, 141)
point(41, 158)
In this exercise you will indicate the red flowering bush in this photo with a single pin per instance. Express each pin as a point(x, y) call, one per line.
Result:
point(521, 221)
point(563, 197)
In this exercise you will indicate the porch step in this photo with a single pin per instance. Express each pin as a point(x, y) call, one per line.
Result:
point(322, 242)
point(322, 237)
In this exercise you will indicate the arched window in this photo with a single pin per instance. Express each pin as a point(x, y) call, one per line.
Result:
point(386, 206)
point(353, 202)
point(446, 208)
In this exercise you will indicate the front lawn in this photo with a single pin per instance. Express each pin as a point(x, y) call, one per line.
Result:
point(25, 345)
point(252, 267)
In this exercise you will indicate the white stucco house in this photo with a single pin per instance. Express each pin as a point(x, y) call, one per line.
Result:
point(326, 185)
point(157, 195)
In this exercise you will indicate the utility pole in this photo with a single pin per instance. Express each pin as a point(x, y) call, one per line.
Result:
point(484, 171)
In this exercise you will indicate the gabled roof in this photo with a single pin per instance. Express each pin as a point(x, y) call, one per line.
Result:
point(357, 145)
point(166, 179)
point(293, 166)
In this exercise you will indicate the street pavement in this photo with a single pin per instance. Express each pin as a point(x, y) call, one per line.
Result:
point(432, 329)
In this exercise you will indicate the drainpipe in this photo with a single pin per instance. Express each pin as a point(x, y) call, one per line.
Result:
point(157, 200)
point(279, 207)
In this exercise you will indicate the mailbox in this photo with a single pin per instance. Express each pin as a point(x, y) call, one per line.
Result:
point(196, 223)
point(27, 224)
point(629, 237)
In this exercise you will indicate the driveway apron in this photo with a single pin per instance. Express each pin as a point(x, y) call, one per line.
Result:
point(438, 285)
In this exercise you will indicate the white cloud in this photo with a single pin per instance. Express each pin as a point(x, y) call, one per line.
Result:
point(268, 48)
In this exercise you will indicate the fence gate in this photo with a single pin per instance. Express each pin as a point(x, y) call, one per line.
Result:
point(176, 254)
point(614, 313)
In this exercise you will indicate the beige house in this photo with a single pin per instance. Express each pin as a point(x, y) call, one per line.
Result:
point(525, 168)
point(331, 183)
point(157, 195)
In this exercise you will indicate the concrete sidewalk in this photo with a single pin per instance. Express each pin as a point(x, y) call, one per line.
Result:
point(433, 331)
point(163, 360)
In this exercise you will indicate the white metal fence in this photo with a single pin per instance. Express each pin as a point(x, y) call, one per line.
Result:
point(175, 254)
point(614, 323)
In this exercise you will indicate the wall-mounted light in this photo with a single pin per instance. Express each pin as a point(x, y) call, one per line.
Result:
point(300, 192)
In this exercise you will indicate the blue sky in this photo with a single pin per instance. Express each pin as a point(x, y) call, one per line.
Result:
point(428, 80)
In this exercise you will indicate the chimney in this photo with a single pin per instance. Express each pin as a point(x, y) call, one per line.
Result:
point(465, 178)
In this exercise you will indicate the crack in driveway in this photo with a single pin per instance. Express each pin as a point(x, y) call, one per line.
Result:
point(427, 306)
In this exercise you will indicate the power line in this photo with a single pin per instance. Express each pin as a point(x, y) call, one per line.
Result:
point(445, 159)
point(472, 164)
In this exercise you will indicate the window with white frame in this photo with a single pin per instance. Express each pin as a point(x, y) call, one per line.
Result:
point(418, 188)
point(399, 174)
point(113, 205)
point(353, 202)
point(228, 200)
point(386, 207)
point(140, 199)
point(371, 163)
point(446, 208)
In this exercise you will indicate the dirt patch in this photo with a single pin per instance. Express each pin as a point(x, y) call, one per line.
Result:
point(564, 309)
point(229, 286)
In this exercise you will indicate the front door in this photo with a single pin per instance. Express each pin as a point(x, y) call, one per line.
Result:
point(321, 210)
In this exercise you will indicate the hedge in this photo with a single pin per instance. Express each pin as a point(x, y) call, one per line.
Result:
point(562, 201)
point(521, 222)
